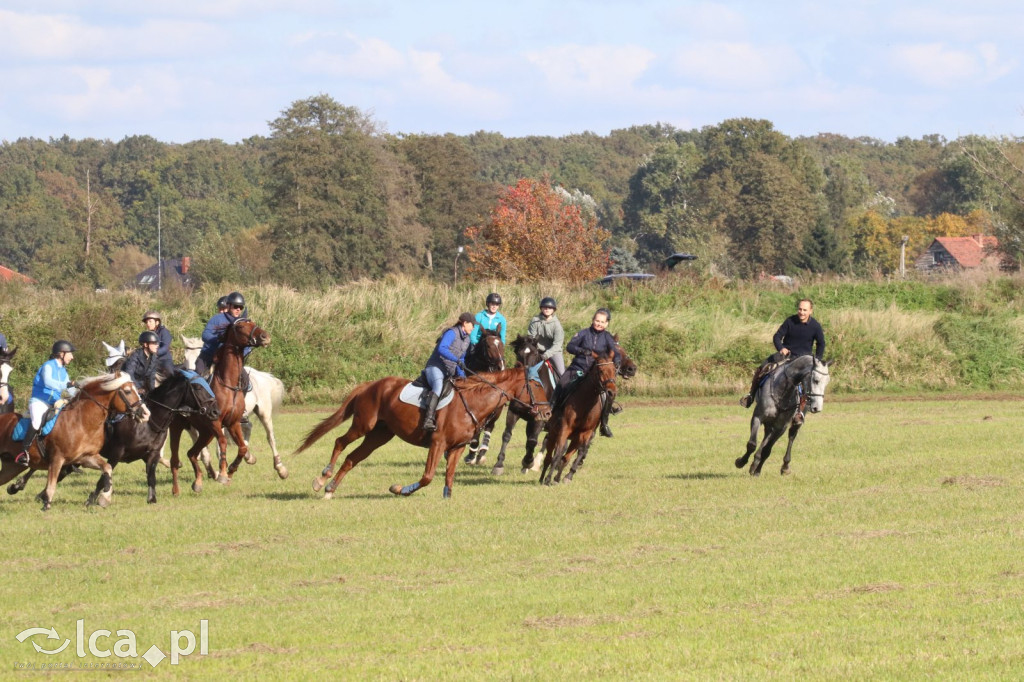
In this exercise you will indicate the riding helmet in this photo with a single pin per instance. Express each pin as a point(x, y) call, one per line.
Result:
point(548, 302)
point(493, 298)
point(148, 337)
point(235, 299)
point(61, 347)
point(152, 315)
point(222, 303)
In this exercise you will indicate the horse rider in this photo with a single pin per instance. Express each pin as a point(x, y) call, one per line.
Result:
point(155, 323)
point(145, 363)
point(222, 304)
point(50, 382)
point(798, 335)
point(489, 318)
point(213, 334)
point(594, 339)
point(547, 330)
point(447, 362)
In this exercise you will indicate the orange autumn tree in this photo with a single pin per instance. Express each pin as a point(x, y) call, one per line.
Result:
point(535, 234)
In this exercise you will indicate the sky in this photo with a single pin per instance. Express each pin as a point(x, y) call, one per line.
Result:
point(201, 69)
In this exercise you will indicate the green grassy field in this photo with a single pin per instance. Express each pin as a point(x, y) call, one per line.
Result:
point(892, 552)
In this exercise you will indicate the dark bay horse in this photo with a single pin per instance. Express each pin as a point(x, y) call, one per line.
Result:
point(543, 380)
point(576, 420)
point(227, 387)
point(6, 396)
point(488, 356)
point(778, 398)
point(378, 415)
point(627, 370)
point(77, 436)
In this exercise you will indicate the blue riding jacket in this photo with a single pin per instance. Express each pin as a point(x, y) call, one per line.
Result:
point(51, 379)
point(484, 320)
point(213, 335)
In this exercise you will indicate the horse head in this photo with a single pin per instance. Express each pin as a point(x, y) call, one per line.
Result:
point(527, 350)
point(5, 375)
point(605, 370)
point(627, 368)
point(244, 333)
point(115, 393)
point(192, 347)
point(817, 381)
point(116, 356)
point(492, 350)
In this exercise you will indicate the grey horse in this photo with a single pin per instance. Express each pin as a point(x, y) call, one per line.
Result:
point(777, 399)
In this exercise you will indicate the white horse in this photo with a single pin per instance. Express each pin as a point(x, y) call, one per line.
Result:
point(266, 392)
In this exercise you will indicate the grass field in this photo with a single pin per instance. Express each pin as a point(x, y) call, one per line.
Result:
point(894, 551)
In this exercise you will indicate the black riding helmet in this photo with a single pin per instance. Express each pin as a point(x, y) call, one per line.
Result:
point(222, 303)
point(148, 337)
point(493, 298)
point(61, 347)
point(548, 302)
point(235, 299)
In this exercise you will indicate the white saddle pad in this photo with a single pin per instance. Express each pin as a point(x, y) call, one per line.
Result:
point(413, 395)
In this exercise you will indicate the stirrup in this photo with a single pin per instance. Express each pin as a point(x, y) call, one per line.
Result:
point(22, 458)
point(798, 418)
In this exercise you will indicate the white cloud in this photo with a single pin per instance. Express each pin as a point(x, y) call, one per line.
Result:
point(595, 70)
point(939, 66)
point(369, 58)
point(729, 65)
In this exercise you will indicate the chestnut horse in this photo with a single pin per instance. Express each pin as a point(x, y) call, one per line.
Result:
point(378, 416)
point(230, 394)
point(488, 355)
point(572, 428)
point(77, 436)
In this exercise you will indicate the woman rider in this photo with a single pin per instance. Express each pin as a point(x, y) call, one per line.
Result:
point(446, 362)
point(546, 328)
point(145, 363)
point(586, 342)
point(489, 318)
point(154, 323)
point(50, 381)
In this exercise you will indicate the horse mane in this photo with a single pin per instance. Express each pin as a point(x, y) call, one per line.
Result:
point(475, 383)
point(107, 382)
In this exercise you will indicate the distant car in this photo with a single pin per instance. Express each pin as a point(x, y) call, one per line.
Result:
point(677, 258)
point(624, 276)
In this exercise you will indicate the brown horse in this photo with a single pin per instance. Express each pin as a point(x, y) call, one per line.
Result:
point(77, 436)
point(488, 355)
point(378, 416)
point(230, 394)
point(575, 421)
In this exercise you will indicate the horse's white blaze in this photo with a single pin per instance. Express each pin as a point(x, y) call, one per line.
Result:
point(5, 375)
point(819, 380)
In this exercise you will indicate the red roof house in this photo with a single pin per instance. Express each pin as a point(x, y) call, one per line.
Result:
point(8, 275)
point(962, 253)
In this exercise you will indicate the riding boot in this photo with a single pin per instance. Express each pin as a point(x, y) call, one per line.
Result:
point(605, 412)
point(23, 457)
point(798, 418)
point(428, 421)
point(748, 399)
point(246, 427)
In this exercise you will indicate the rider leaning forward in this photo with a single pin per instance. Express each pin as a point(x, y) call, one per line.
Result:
point(586, 342)
point(446, 362)
point(799, 335)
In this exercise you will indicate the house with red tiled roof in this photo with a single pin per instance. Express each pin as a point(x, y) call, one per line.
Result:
point(962, 253)
point(8, 275)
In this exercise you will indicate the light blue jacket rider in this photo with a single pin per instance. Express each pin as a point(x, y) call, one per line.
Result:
point(51, 379)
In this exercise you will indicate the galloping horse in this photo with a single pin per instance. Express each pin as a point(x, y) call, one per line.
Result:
point(77, 435)
point(378, 415)
point(578, 417)
point(227, 387)
point(544, 379)
point(265, 393)
point(488, 356)
point(627, 370)
point(6, 397)
point(778, 398)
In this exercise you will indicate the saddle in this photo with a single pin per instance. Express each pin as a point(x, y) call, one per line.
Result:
point(415, 392)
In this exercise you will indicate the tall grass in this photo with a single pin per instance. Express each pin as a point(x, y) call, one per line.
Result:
point(691, 336)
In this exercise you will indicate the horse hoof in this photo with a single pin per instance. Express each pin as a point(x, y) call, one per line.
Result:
point(497, 471)
point(740, 462)
point(447, 494)
point(224, 480)
point(479, 462)
point(103, 501)
point(785, 471)
point(328, 495)
point(282, 471)
point(318, 483)
point(197, 487)
point(396, 489)
point(12, 489)
point(164, 462)
point(250, 458)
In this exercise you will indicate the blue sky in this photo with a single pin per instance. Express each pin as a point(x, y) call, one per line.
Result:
point(197, 69)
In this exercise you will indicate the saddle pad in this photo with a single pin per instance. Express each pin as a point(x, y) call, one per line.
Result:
point(194, 378)
point(533, 374)
point(21, 428)
point(413, 394)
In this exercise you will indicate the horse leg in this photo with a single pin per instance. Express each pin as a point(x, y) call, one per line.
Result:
point(354, 433)
point(449, 473)
point(377, 437)
point(581, 455)
point(151, 465)
point(222, 454)
point(193, 458)
point(755, 429)
point(794, 429)
point(243, 448)
point(105, 485)
point(265, 415)
point(506, 436)
point(765, 451)
point(19, 485)
point(46, 497)
point(534, 428)
point(437, 449)
point(573, 446)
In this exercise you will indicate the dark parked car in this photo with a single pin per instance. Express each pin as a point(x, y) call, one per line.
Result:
point(625, 277)
point(677, 258)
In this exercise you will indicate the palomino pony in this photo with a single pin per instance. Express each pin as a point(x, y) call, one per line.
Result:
point(627, 370)
point(6, 396)
point(578, 417)
point(77, 436)
point(265, 393)
point(488, 356)
point(778, 398)
point(227, 387)
point(378, 415)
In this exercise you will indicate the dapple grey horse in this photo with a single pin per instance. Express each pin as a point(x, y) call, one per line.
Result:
point(777, 400)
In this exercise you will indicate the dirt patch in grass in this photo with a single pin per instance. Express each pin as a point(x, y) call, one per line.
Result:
point(559, 622)
point(974, 482)
point(875, 587)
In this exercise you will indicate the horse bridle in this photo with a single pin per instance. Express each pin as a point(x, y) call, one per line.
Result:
point(815, 370)
point(251, 341)
point(132, 408)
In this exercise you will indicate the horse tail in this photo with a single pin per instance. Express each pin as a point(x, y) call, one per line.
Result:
point(343, 413)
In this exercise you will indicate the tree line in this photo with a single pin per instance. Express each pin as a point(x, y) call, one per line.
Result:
point(328, 196)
